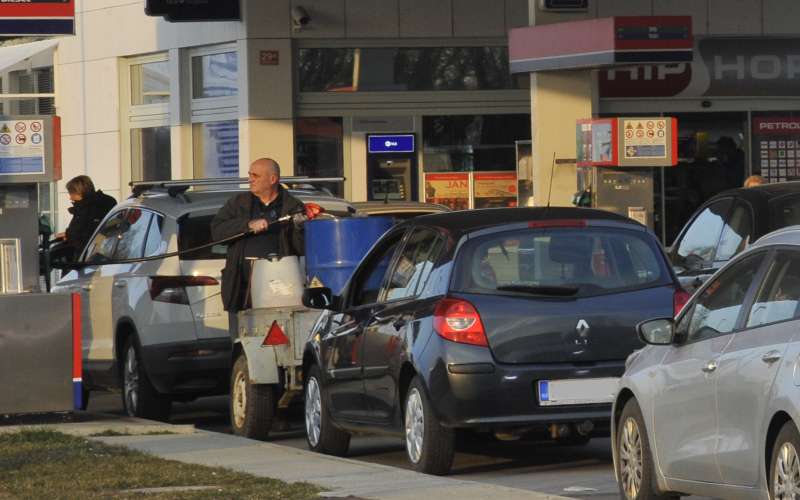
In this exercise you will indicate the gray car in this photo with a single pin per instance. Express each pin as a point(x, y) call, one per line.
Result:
point(711, 406)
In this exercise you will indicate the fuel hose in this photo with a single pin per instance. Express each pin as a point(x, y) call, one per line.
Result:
point(223, 241)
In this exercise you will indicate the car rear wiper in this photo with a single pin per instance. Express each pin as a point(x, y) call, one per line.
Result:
point(558, 291)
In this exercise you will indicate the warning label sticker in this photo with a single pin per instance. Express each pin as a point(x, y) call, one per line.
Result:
point(644, 138)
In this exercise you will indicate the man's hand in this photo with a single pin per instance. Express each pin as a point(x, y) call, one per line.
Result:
point(258, 225)
point(312, 210)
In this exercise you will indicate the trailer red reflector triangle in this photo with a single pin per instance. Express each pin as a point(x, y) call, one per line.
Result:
point(275, 335)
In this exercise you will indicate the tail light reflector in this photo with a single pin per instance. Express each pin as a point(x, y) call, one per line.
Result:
point(275, 335)
point(458, 321)
point(679, 300)
point(172, 289)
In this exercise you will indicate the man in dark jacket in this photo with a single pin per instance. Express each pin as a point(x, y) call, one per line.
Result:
point(256, 212)
point(88, 209)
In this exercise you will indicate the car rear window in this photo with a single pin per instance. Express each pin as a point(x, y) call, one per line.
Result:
point(592, 261)
point(194, 231)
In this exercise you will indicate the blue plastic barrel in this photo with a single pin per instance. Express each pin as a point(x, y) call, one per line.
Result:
point(334, 247)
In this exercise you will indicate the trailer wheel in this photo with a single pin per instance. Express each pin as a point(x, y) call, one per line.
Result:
point(252, 406)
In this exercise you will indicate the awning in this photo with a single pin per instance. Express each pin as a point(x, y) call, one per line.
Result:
point(12, 55)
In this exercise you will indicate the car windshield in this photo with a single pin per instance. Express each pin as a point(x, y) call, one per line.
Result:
point(560, 262)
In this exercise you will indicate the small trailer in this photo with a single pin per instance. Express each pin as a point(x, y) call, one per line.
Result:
point(269, 338)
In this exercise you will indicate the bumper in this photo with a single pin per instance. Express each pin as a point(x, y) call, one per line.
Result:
point(468, 389)
point(189, 368)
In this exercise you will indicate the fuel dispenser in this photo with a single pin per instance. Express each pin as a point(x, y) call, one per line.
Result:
point(40, 332)
point(29, 154)
point(613, 160)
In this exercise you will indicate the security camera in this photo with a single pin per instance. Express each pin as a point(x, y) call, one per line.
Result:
point(300, 17)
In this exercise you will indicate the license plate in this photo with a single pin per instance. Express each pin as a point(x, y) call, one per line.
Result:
point(577, 391)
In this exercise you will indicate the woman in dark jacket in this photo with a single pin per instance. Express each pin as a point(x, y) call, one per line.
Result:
point(88, 209)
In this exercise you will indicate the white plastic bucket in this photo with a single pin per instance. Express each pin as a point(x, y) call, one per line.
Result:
point(277, 282)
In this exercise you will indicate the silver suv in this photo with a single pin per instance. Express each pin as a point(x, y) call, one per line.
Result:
point(157, 329)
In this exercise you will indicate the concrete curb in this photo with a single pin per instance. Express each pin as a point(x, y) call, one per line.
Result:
point(340, 477)
point(91, 424)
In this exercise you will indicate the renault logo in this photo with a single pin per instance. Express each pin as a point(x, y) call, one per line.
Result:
point(582, 328)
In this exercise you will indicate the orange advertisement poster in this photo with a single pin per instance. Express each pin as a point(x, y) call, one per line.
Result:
point(495, 189)
point(450, 189)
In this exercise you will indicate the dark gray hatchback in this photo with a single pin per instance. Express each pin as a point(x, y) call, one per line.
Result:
point(511, 321)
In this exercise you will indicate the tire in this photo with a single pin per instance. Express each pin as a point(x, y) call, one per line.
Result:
point(430, 447)
point(252, 406)
point(322, 435)
point(635, 458)
point(139, 397)
point(785, 462)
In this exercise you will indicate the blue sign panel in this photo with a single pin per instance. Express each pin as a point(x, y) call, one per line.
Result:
point(18, 166)
point(391, 143)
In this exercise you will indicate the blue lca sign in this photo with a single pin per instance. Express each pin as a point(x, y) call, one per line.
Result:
point(391, 143)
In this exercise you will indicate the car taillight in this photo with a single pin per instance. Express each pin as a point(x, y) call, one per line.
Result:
point(458, 321)
point(172, 289)
point(679, 300)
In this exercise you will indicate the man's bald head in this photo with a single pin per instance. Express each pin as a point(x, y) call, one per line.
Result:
point(264, 175)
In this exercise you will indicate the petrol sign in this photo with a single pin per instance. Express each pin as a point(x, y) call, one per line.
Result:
point(37, 17)
point(403, 143)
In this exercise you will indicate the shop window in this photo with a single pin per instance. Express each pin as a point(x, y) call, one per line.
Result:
point(776, 145)
point(150, 153)
point(319, 150)
point(712, 157)
point(145, 103)
point(215, 75)
point(216, 149)
point(405, 69)
point(472, 142)
point(149, 83)
point(39, 80)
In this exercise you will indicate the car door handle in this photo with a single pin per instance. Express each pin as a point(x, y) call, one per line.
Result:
point(710, 366)
point(771, 356)
point(120, 284)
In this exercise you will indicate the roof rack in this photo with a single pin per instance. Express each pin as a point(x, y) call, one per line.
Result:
point(174, 188)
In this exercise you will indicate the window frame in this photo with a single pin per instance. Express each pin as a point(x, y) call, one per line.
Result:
point(774, 253)
point(766, 258)
point(438, 239)
point(402, 234)
point(726, 223)
point(707, 264)
point(140, 116)
point(211, 109)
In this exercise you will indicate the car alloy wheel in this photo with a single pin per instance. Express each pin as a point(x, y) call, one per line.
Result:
point(630, 456)
point(131, 380)
point(415, 425)
point(313, 411)
point(239, 403)
point(786, 477)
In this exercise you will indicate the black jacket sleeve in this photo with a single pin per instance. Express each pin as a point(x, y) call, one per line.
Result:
point(232, 218)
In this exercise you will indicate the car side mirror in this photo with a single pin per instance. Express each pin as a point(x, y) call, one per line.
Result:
point(320, 298)
point(657, 331)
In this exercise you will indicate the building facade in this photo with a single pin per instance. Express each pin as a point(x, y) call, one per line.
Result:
point(146, 99)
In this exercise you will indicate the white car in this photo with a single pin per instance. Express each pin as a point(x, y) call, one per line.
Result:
point(711, 407)
point(157, 329)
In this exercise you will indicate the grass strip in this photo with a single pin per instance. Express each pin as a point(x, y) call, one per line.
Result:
point(46, 464)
